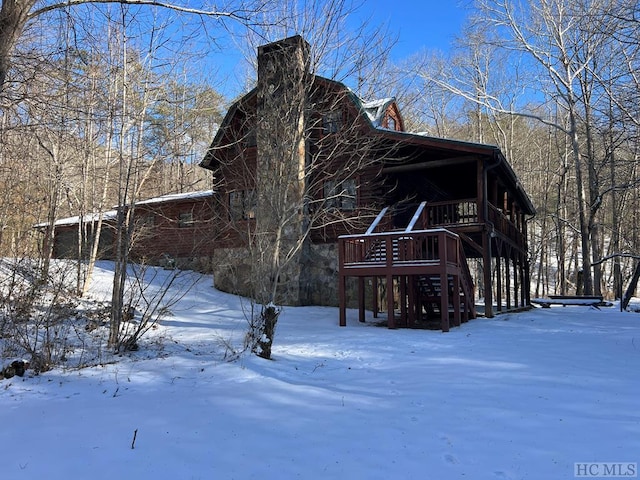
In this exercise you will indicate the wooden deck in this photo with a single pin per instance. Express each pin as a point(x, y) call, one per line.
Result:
point(424, 272)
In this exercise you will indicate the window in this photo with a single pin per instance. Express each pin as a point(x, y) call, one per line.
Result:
point(349, 195)
point(340, 194)
point(185, 220)
point(148, 221)
point(242, 205)
point(391, 123)
point(331, 122)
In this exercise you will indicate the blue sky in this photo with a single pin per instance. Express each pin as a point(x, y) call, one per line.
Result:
point(420, 24)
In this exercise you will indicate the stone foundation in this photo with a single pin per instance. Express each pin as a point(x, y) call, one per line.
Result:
point(231, 269)
point(317, 283)
point(321, 274)
point(233, 273)
point(203, 264)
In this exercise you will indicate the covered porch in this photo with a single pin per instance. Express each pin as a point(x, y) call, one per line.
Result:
point(470, 190)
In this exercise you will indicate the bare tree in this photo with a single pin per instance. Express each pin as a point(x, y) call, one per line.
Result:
point(15, 15)
point(557, 51)
point(180, 126)
point(357, 54)
point(312, 147)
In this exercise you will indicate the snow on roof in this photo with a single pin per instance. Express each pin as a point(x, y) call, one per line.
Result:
point(375, 109)
point(111, 214)
point(172, 197)
point(88, 218)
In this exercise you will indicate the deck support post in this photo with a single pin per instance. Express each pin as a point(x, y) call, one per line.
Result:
point(464, 318)
point(413, 304)
point(522, 280)
point(376, 294)
point(456, 300)
point(499, 280)
point(508, 277)
point(342, 300)
point(402, 287)
point(391, 321)
point(444, 301)
point(486, 268)
point(516, 283)
point(361, 299)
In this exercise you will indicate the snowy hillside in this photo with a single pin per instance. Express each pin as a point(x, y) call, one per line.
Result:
point(521, 396)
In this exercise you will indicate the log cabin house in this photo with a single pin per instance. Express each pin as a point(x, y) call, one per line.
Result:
point(174, 229)
point(399, 220)
point(417, 227)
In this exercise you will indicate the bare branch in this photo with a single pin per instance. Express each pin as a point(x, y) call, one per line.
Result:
point(615, 255)
point(239, 14)
point(484, 101)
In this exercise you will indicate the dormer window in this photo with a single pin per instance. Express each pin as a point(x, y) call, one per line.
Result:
point(391, 122)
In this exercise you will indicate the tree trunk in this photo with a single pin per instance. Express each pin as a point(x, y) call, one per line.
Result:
point(93, 255)
point(269, 318)
point(624, 303)
point(119, 279)
point(13, 17)
point(583, 214)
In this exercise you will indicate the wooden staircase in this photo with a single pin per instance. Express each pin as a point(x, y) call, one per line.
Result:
point(410, 267)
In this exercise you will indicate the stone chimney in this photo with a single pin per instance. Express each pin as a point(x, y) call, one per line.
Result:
point(283, 84)
point(288, 57)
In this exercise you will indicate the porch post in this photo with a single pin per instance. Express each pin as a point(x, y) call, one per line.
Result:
point(402, 288)
point(507, 279)
point(361, 299)
point(499, 278)
point(525, 264)
point(457, 320)
point(376, 292)
point(443, 246)
point(391, 321)
point(516, 277)
point(411, 321)
point(342, 300)
point(483, 211)
point(481, 188)
point(444, 301)
point(486, 266)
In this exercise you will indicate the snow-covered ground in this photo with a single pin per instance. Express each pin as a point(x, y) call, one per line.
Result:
point(520, 396)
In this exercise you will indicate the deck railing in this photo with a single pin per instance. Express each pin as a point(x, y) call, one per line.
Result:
point(464, 212)
point(399, 249)
point(409, 256)
point(505, 226)
point(452, 213)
